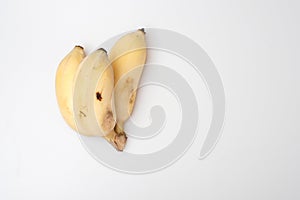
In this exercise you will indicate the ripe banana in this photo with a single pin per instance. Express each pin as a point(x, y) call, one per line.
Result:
point(128, 57)
point(93, 92)
point(65, 75)
point(93, 99)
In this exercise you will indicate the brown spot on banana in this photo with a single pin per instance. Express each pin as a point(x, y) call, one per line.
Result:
point(99, 96)
point(82, 114)
point(131, 102)
point(108, 121)
point(129, 80)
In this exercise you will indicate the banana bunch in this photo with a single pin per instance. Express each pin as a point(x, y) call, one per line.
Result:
point(96, 93)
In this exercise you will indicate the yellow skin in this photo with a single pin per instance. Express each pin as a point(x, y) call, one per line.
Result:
point(128, 57)
point(65, 75)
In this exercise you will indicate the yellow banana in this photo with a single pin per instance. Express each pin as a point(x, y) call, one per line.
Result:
point(89, 109)
point(96, 98)
point(93, 98)
point(65, 75)
point(92, 95)
point(128, 56)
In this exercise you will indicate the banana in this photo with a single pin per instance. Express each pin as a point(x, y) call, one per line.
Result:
point(93, 99)
point(65, 75)
point(127, 56)
point(96, 95)
point(92, 95)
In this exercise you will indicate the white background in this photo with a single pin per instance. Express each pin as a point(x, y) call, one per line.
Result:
point(255, 46)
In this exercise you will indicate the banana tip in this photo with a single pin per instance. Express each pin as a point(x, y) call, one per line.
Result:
point(120, 141)
point(102, 49)
point(79, 46)
point(143, 30)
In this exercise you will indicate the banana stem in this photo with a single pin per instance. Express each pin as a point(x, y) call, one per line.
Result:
point(119, 127)
point(118, 140)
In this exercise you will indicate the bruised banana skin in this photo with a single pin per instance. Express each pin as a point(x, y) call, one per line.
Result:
point(64, 80)
point(128, 57)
